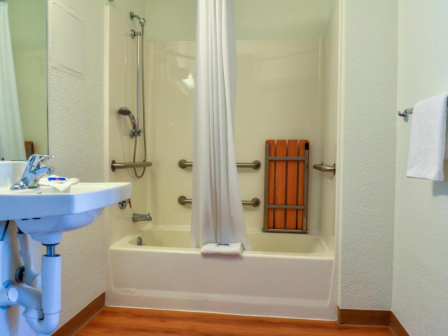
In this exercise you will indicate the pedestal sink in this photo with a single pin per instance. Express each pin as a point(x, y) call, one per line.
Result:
point(45, 213)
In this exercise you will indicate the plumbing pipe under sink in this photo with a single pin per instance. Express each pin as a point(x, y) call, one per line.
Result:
point(42, 309)
point(51, 297)
point(8, 295)
point(27, 274)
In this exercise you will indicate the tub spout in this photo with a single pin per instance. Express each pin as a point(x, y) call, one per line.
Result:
point(141, 218)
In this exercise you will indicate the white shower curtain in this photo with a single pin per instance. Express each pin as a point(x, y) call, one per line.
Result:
point(11, 136)
point(217, 213)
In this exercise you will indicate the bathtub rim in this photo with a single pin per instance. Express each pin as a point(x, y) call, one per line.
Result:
point(124, 245)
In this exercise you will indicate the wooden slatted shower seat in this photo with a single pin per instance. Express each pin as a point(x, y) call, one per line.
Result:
point(286, 186)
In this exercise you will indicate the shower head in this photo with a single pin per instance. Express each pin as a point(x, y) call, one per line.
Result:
point(124, 111)
point(141, 20)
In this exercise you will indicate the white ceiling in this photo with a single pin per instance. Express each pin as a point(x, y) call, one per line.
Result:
point(175, 20)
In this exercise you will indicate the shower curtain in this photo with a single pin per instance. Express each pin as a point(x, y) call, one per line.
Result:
point(11, 137)
point(217, 213)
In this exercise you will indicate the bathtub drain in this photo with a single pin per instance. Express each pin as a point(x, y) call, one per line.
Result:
point(140, 242)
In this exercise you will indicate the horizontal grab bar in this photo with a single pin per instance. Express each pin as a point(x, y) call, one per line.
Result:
point(254, 165)
point(325, 168)
point(115, 165)
point(255, 202)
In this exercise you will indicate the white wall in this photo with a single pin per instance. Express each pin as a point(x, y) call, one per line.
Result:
point(172, 20)
point(420, 293)
point(123, 8)
point(76, 117)
point(330, 124)
point(76, 139)
point(368, 153)
point(279, 96)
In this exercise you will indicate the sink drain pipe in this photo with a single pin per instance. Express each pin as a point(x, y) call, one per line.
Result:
point(51, 295)
point(8, 295)
point(42, 309)
point(27, 273)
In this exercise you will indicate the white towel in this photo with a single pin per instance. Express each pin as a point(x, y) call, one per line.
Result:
point(61, 186)
point(234, 249)
point(427, 148)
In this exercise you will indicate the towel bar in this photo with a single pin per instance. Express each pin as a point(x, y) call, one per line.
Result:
point(115, 165)
point(256, 165)
point(406, 112)
point(255, 202)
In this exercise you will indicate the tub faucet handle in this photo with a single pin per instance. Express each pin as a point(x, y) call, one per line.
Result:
point(141, 218)
point(123, 204)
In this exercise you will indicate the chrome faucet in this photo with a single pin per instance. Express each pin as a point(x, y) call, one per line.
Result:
point(141, 218)
point(34, 171)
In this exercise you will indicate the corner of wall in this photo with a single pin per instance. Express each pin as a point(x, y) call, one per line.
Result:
point(367, 212)
point(76, 128)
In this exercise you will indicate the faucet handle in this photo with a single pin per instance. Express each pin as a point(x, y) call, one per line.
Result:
point(36, 160)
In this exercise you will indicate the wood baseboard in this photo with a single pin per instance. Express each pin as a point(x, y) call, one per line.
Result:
point(84, 317)
point(364, 317)
point(384, 318)
point(396, 327)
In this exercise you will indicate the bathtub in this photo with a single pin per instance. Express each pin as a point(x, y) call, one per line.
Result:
point(286, 275)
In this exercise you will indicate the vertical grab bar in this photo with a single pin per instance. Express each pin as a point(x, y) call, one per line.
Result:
point(138, 80)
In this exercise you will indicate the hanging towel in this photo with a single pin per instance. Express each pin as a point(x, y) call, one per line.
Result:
point(427, 148)
point(234, 249)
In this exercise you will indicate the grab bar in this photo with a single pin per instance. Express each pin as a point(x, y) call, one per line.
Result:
point(115, 165)
point(325, 168)
point(256, 165)
point(255, 202)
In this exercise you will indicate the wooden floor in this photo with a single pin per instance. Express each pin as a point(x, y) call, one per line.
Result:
point(138, 322)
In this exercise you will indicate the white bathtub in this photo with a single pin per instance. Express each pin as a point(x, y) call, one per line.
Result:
point(287, 275)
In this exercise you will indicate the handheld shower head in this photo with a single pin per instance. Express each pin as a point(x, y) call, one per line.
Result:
point(141, 20)
point(124, 111)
